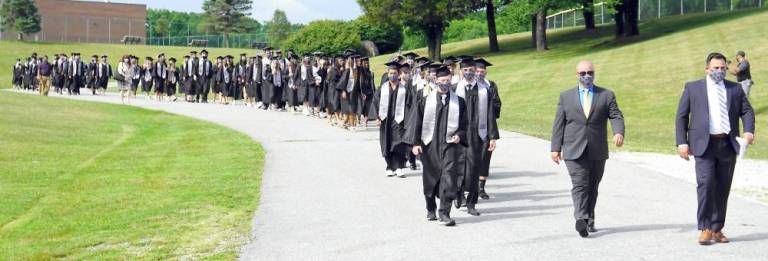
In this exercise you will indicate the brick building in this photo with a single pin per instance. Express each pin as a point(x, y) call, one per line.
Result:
point(87, 21)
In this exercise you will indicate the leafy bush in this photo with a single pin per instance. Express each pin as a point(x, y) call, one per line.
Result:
point(328, 36)
point(387, 38)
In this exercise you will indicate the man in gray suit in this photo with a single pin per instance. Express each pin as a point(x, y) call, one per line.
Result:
point(579, 137)
point(706, 126)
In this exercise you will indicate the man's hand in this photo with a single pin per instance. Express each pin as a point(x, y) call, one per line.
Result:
point(683, 152)
point(555, 155)
point(455, 139)
point(492, 145)
point(416, 150)
point(378, 122)
point(749, 137)
point(618, 139)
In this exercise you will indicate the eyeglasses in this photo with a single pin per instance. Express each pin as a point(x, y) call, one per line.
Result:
point(586, 72)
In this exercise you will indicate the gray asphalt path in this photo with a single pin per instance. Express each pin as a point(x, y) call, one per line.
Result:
point(325, 197)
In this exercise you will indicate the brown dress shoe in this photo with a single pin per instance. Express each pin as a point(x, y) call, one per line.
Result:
point(705, 238)
point(720, 238)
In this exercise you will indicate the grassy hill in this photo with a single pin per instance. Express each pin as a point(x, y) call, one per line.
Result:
point(84, 180)
point(646, 72)
point(10, 50)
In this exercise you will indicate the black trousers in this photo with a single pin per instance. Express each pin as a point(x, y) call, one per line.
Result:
point(203, 86)
point(714, 174)
point(277, 96)
point(585, 176)
point(445, 202)
point(396, 159)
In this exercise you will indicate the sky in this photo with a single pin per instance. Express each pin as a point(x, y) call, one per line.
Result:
point(298, 11)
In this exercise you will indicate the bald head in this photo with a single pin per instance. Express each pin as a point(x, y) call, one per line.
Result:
point(584, 66)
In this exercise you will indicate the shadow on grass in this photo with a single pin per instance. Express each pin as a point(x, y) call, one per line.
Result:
point(580, 41)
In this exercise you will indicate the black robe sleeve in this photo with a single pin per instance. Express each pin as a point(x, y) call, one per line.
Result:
point(413, 124)
point(496, 99)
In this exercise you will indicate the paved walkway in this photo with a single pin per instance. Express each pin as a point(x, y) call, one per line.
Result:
point(325, 197)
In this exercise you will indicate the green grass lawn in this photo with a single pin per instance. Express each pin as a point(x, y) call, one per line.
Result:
point(10, 50)
point(646, 72)
point(82, 180)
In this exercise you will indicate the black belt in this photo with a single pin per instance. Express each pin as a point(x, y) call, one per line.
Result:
point(718, 136)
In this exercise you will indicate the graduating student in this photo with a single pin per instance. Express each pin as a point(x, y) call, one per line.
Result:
point(256, 79)
point(90, 74)
point(481, 72)
point(18, 71)
point(292, 82)
point(436, 128)
point(250, 86)
point(349, 87)
point(331, 93)
point(30, 71)
point(76, 74)
point(482, 131)
point(186, 78)
point(61, 73)
point(161, 74)
point(407, 80)
point(266, 86)
point(135, 76)
point(316, 84)
point(389, 107)
point(65, 65)
point(303, 81)
point(227, 79)
point(241, 77)
point(147, 73)
point(218, 79)
point(104, 73)
point(193, 67)
point(275, 80)
point(204, 75)
point(172, 80)
point(367, 89)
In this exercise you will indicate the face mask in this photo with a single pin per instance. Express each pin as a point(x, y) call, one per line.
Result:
point(481, 77)
point(444, 87)
point(586, 80)
point(469, 76)
point(394, 78)
point(717, 75)
point(126, 60)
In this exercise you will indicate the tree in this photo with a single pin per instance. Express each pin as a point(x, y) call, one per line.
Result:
point(626, 15)
point(537, 9)
point(490, 17)
point(328, 36)
point(428, 16)
point(226, 16)
point(279, 28)
point(388, 38)
point(588, 11)
point(20, 16)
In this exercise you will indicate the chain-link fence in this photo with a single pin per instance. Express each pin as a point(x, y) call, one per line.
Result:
point(235, 40)
point(91, 29)
point(650, 9)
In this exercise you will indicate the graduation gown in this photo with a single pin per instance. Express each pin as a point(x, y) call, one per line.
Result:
point(330, 92)
point(240, 73)
point(493, 91)
point(146, 79)
point(367, 89)
point(161, 73)
point(106, 73)
point(17, 74)
point(442, 167)
point(350, 104)
point(391, 133)
point(173, 77)
point(315, 90)
point(306, 80)
point(227, 80)
point(217, 79)
point(476, 155)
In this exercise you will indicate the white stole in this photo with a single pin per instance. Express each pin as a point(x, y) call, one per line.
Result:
point(482, 104)
point(399, 104)
point(430, 117)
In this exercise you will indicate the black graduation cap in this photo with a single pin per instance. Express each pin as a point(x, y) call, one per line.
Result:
point(267, 48)
point(443, 71)
point(393, 65)
point(148, 58)
point(425, 65)
point(467, 63)
point(204, 51)
point(278, 51)
point(410, 55)
point(94, 56)
point(406, 66)
point(482, 63)
point(464, 57)
point(193, 52)
point(434, 67)
point(450, 60)
point(350, 51)
point(160, 55)
point(186, 56)
point(421, 60)
point(365, 59)
point(219, 57)
point(173, 60)
point(103, 56)
point(229, 56)
point(317, 53)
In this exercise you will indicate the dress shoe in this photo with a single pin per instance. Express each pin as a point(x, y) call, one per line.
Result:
point(459, 200)
point(705, 238)
point(581, 227)
point(484, 195)
point(414, 167)
point(390, 173)
point(446, 220)
point(591, 228)
point(720, 238)
point(431, 216)
point(472, 211)
point(399, 173)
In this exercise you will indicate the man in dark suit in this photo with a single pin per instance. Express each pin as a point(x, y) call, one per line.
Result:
point(579, 137)
point(204, 75)
point(75, 74)
point(706, 126)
